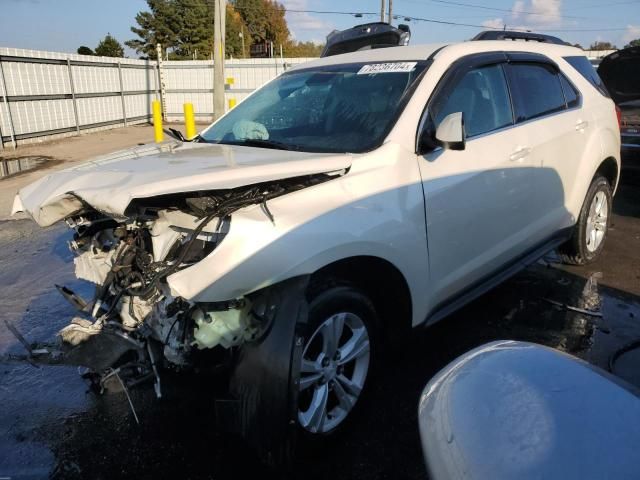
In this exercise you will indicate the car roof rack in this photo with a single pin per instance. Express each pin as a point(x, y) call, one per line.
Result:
point(366, 36)
point(511, 35)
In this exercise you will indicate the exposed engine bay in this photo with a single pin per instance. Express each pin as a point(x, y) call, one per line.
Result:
point(134, 327)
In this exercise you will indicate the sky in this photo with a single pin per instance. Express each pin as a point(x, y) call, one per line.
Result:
point(64, 25)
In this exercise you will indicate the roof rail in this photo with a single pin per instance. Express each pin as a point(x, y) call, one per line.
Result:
point(511, 35)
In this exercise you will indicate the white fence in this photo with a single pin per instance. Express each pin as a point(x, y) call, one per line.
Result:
point(46, 94)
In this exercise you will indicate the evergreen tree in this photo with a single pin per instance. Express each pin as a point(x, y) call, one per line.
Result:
point(194, 32)
point(84, 50)
point(109, 47)
point(185, 29)
point(159, 25)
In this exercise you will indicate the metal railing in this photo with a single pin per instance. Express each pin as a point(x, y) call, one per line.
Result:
point(8, 100)
point(45, 94)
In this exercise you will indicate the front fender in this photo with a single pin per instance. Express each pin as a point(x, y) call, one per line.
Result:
point(376, 211)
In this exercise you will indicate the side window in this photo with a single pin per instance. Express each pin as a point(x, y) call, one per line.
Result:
point(584, 67)
point(536, 90)
point(482, 96)
point(571, 95)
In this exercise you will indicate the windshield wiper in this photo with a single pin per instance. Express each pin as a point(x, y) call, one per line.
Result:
point(177, 134)
point(257, 142)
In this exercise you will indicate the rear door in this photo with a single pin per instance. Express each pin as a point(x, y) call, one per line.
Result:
point(554, 127)
point(479, 201)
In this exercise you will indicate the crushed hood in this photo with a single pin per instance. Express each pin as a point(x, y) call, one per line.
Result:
point(620, 72)
point(111, 182)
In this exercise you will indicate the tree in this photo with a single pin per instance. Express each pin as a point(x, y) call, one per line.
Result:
point(84, 50)
point(602, 46)
point(185, 29)
point(254, 16)
point(302, 49)
point(109, 47)
point(577, 45)
point(156, 26)
point(633, 43)
point(193, 28)
point(277, 28)
point(264, 20)
point(236, 30)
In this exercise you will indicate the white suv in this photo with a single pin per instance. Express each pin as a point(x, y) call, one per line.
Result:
point(349, 199)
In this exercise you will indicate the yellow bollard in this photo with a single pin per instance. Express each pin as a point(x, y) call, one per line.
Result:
point(157, 121)
point(232, 103)
point(189, 121)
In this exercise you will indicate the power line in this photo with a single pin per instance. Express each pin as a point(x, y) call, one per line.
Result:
point(330, 12)
point(582, 7)
point(444, 22)
point(583, 30)
point(407, 17)
point(459, 24)
point(495, 9)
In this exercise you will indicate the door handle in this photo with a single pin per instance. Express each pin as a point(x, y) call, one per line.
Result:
point(520, 153)
point(581, 126)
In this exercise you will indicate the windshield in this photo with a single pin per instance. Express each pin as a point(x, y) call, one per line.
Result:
point(339, 108)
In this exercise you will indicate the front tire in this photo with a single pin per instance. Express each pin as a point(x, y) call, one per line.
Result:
point(590, 232)
point(337, 359)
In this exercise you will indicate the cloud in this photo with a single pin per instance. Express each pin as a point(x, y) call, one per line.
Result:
point(494, 23)
point(537, 12)
point(632, 33)
point(529, 15)
point(517, 9)
point(302, 25)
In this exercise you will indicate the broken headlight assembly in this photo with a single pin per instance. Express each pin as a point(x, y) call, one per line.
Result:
point(134, 325)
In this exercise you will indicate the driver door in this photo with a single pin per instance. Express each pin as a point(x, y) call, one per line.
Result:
point(478, 200)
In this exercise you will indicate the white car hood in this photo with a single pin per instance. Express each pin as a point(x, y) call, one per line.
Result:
point(109, 183)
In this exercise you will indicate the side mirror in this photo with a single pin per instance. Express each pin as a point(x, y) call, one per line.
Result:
point(450, 133)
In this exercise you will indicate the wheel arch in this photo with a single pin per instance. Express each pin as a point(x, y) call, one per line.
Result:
point(609, 169)
point(384, 284)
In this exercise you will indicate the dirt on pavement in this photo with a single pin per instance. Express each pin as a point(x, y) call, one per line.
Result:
point(64, 153)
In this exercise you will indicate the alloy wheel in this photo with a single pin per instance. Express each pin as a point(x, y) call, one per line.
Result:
point(597, 221)
point(335, 363)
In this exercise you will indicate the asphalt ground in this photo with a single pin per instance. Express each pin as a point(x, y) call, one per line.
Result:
point(53, 425)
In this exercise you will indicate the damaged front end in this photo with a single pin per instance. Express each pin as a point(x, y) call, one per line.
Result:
point(134, 327)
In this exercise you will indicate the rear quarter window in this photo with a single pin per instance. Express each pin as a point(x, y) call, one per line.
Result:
point(584, 68)
point(570, 93)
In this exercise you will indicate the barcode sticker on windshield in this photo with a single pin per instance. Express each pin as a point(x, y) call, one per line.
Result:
point(395, 67)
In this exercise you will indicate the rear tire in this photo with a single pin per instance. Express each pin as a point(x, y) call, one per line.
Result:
point(590, 232)
point(337, 359)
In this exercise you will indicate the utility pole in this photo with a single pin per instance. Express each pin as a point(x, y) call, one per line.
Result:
point(218, 57)
point(382, 5)
point(390, 16)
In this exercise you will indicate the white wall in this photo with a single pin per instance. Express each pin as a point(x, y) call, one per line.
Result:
point(37, 99)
